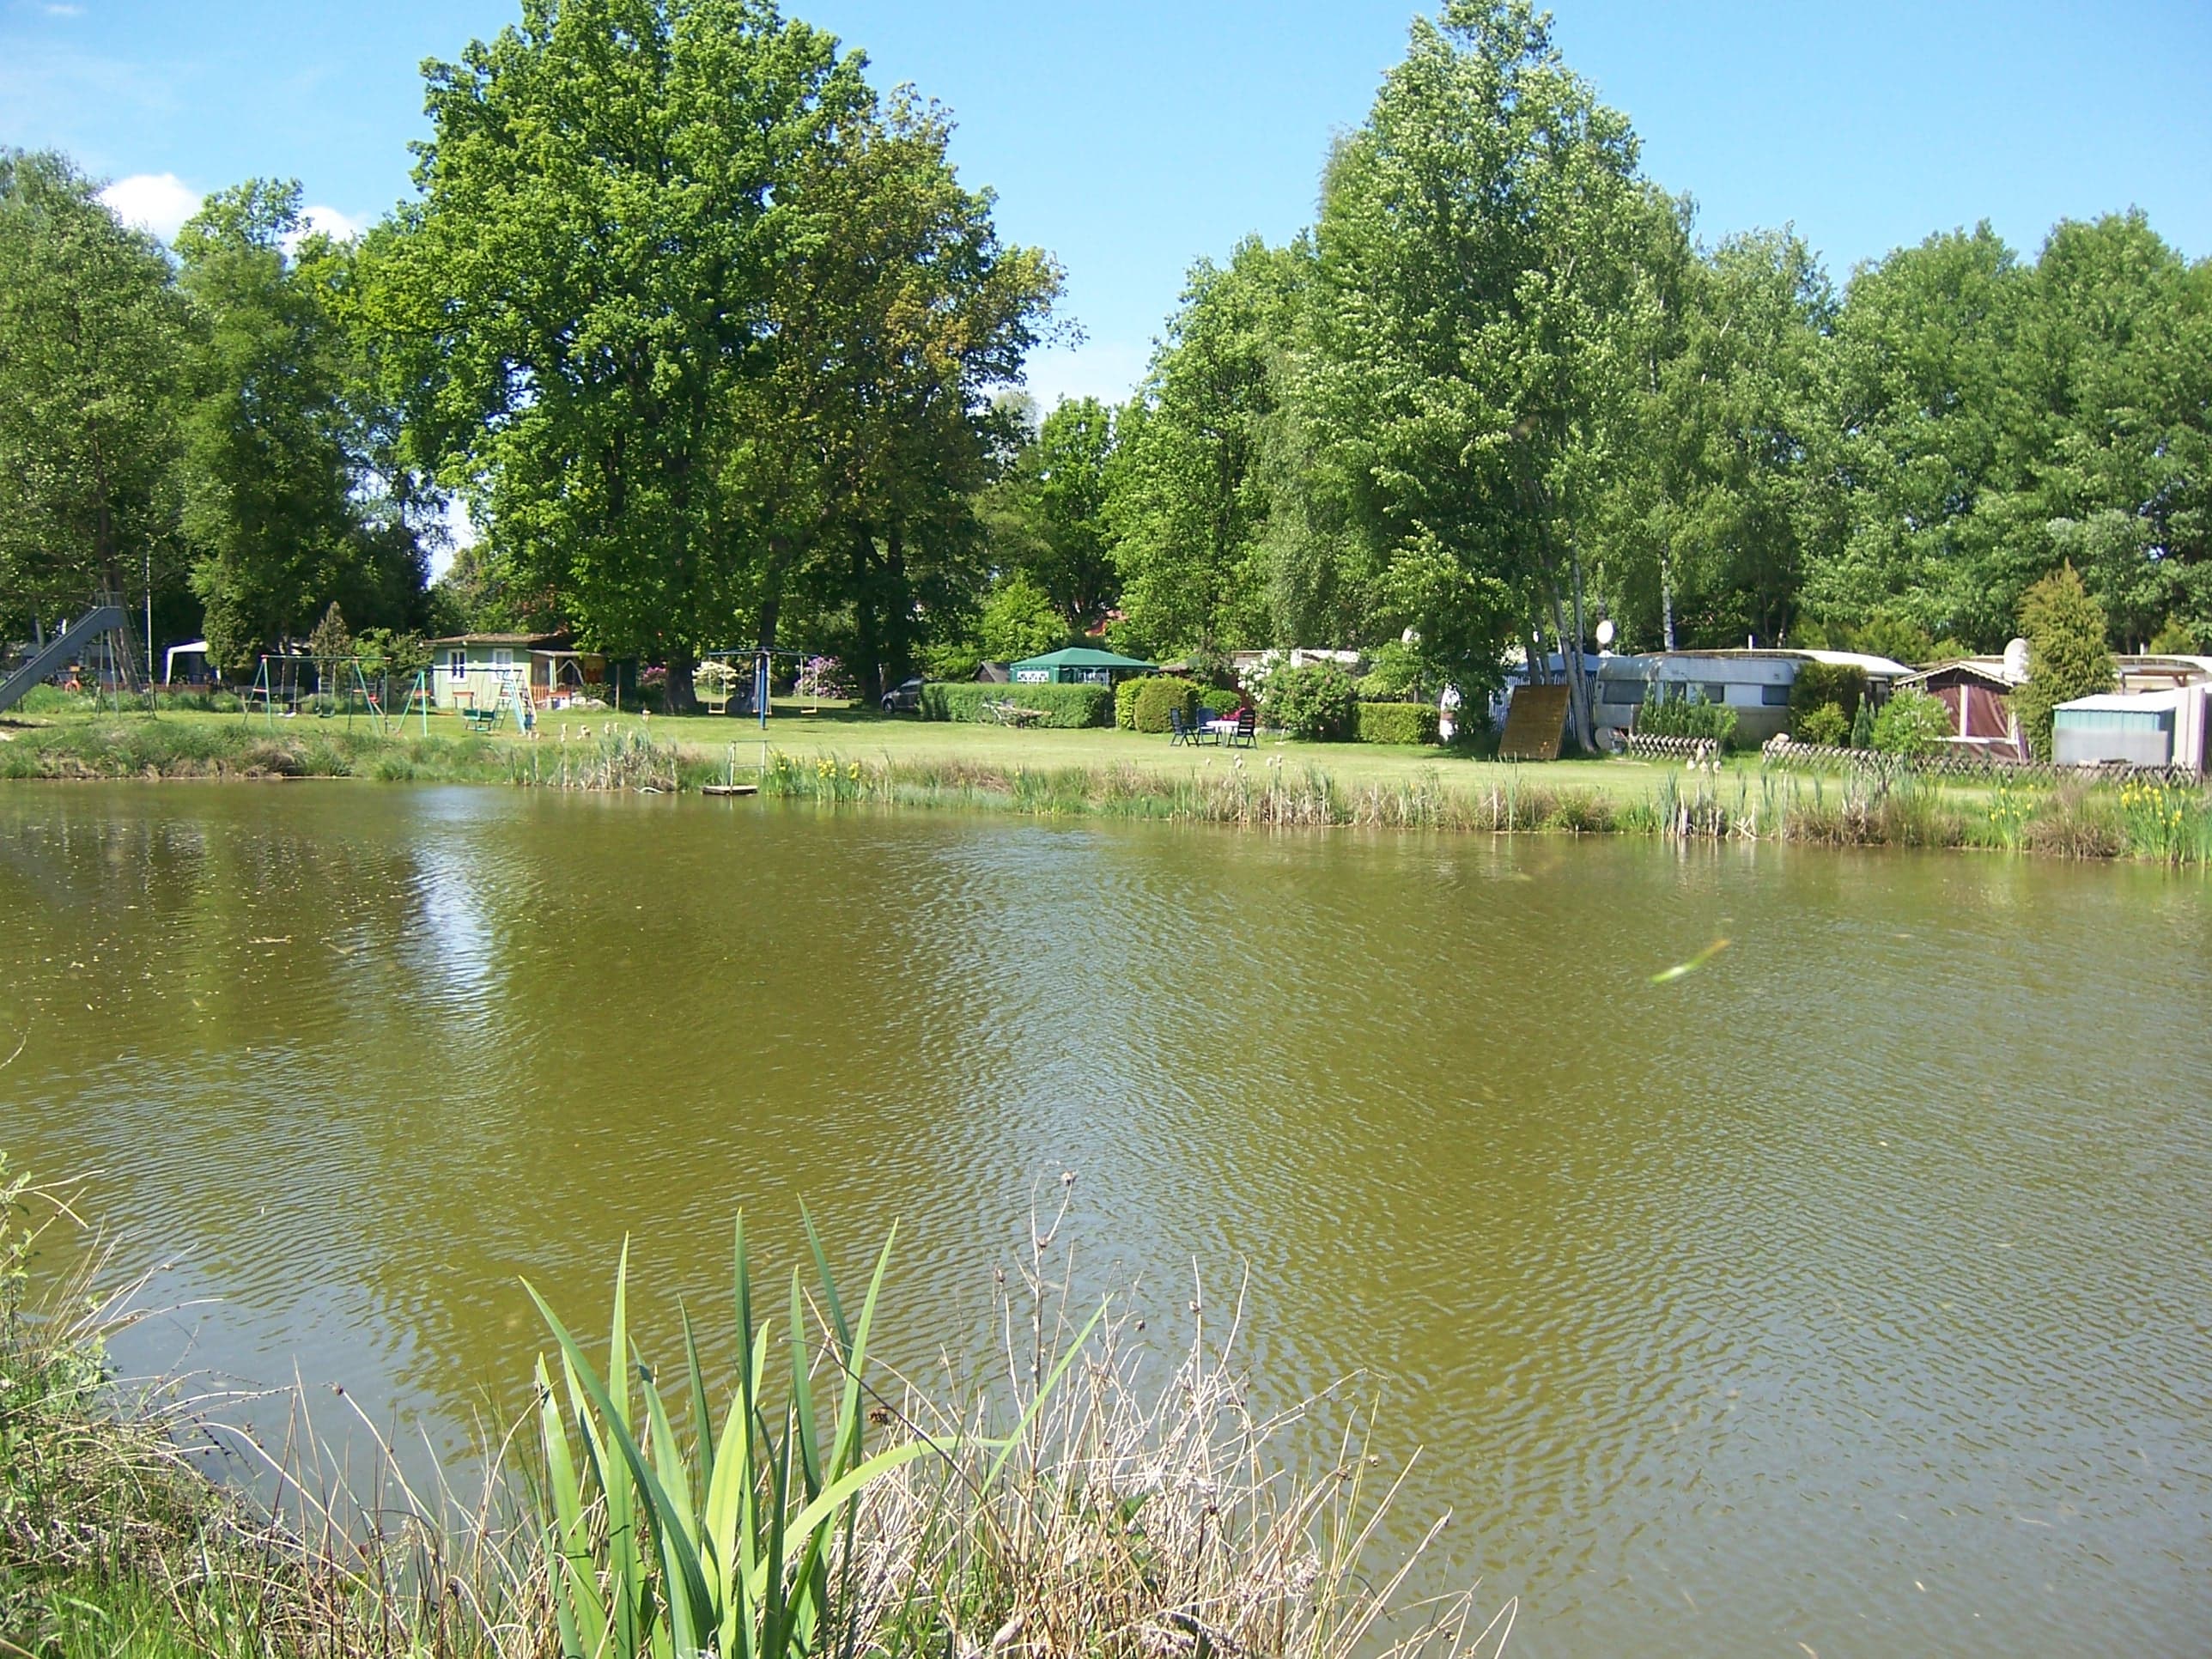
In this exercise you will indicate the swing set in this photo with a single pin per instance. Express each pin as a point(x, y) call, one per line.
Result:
point(287, 685)
point(723, 681)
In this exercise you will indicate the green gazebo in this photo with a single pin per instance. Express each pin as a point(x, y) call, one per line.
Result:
point(1077, 666)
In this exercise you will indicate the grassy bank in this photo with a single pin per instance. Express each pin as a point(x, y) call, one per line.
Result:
point(845, 758)
point(1093, 1498)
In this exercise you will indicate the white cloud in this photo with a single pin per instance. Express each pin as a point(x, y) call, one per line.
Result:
point(64, 11)
point(1108, 370)
point(340, 227)
point(155, 202)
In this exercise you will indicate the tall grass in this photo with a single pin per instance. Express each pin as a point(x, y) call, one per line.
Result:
point(1871, 808)
point(1094, 1499)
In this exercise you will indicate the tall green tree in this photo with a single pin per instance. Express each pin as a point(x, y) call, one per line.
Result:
point(1478, 246)
point(572, 301)
point(94, 343)
point(1716, 492)
point(2111, 416)
point(285, 511)
point(1046, 517)
point(2067, 653)
point(898, 314)
point(1189, 504)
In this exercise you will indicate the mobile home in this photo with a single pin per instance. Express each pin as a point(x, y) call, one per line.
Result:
point(1754, 684)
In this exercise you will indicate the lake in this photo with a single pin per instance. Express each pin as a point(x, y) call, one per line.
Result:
point(1853, 1289)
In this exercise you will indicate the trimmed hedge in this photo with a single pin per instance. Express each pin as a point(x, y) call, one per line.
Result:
point(1064, 706)
point(1125, 704)
point(1317, 702)
point(1220, 700)
point(1160, 695)
point(1397, 722)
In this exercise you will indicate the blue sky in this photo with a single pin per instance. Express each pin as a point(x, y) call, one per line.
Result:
point(1130, 138)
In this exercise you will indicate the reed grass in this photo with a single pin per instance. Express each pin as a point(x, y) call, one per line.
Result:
point(2166, 823)
point(1093, 1498)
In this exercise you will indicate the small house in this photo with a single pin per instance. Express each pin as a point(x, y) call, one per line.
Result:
point(470, 671)
point(1076, 665)
point(1978, 692)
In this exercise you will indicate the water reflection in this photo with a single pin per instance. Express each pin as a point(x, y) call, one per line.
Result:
point(1872, 1254)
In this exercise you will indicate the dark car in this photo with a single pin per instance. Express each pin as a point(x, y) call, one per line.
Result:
point(903, 699)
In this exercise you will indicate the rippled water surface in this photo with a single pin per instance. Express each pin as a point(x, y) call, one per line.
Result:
point(1850, 1291)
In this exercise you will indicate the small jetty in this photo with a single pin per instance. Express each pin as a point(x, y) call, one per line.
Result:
point(729, 789)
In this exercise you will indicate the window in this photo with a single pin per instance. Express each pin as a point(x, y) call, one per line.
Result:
point(502, 659)
point(1774, 697)
point(1716, 691)
point(457, 664)
point(2113, 719)
point(1627, 692)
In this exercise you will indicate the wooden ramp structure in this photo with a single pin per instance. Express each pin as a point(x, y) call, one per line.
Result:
point(1536, 724)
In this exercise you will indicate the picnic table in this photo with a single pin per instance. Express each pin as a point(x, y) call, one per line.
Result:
point(1012, 714)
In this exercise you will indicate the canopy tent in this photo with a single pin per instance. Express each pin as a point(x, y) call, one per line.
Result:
point(197, 649)
point(1078, 665)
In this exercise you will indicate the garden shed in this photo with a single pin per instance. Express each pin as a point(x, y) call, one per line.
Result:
point(2139, 728)
point(469, 670)
point(1078, 665)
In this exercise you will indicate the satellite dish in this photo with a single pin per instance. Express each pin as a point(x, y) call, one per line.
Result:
point(1604, 634)
point(2015, 660)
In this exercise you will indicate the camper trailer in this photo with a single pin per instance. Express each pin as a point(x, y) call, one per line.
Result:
point(1755, 684)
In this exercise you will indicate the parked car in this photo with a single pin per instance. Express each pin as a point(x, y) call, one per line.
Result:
point(903, 699)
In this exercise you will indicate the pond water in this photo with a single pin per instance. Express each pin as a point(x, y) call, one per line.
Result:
point(1850, 1290)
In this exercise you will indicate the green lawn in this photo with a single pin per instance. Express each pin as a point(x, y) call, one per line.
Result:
point(858, 733)
point(864, 734)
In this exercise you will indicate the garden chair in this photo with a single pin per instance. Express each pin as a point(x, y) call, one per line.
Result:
point(1181, 731)
point(1247, 734)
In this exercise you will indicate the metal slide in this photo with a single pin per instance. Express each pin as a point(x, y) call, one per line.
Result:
point(101, 619)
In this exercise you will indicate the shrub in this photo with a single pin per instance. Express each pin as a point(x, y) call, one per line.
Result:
point(1064, 706)
point(1826, 685)
point(1911, 723)
point(1160, 695)
point(1397, 722)
point(1317, 702)
point(1862, 727)
point(2067, 655)
point(1396, 675)
point(1687, 717)
point(1125, 704)
point(1824, 724)
point(1220, 700)
point(823, 679)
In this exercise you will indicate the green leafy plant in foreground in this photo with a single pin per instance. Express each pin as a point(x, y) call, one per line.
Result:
point(729, 1545)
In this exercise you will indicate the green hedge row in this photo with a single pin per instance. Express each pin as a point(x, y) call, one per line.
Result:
point(1062, 706)
point(1397, 722)
point(1125, 704)
point(1160, 695)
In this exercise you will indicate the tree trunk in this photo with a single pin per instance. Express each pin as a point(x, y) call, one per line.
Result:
point(1667, 596)
point(677, 696)
point(867, 637)
point(898, 648)
point(1570, 657)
